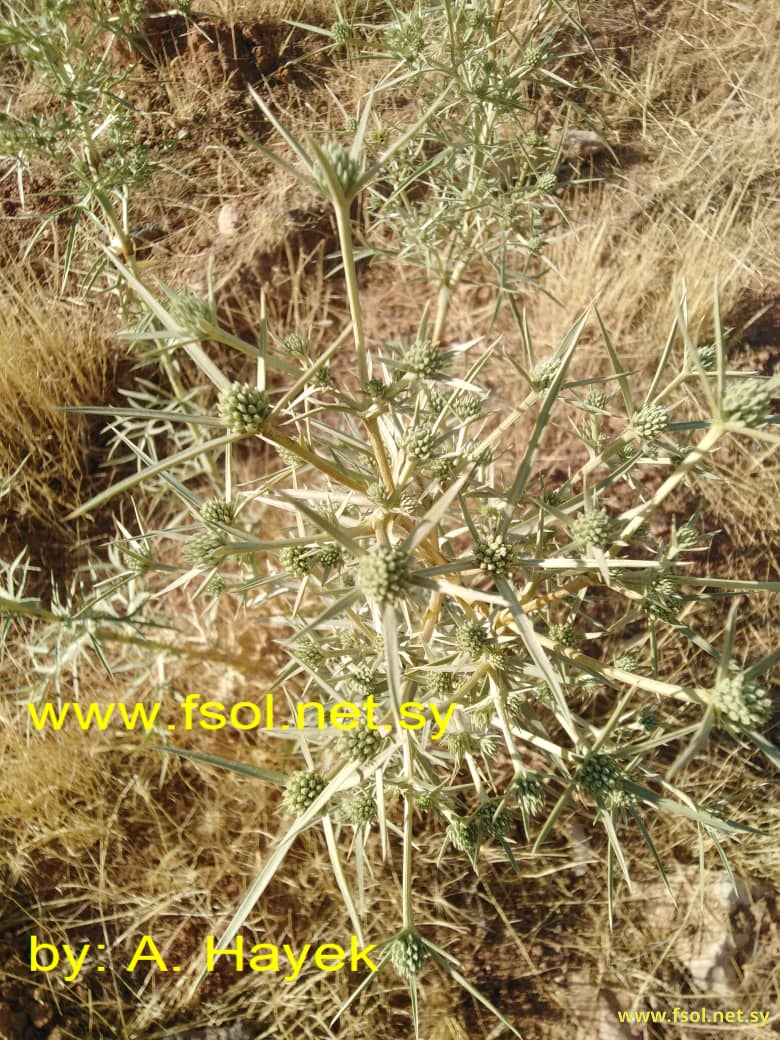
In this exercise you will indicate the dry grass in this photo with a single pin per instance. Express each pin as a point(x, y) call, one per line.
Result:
point(104, 842)
point(53, 353)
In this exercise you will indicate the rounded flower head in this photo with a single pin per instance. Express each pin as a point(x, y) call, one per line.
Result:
point(494, 555)
point(215, 586)
point(593, 528)
point(627, 662)
point(748, 401)
point(377, 491)
point(546, 182)
point(297, 559)
point(216, 511)
point(531, 58)
point(375, 388)
point(309, 652)
point(663, 599)
point(742, 701)
point(202, 550)
point(345, 168)
point(303, 789)
point(244, 408)
point(361, 808)
point(599, 774)
point(330, 556)
point(418, 442)
point(543, 374)
point(360, 744)
point(384, 574)
point(563, 634)
point(296, 345)
point(365, 680)
point(494, 821)
point(650, 421)
point(341, 32)
point(707, 356)
point(687, 537)
point(596, 399)
point(439, 683)
point(193, 314)
point(444, 468)
point(424, 359)
point(467, 406)
point(472, 639)
point(463, 834)
point(529, 794)
point(407, 954)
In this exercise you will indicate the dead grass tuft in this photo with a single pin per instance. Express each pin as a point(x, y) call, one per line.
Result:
point(53, 353)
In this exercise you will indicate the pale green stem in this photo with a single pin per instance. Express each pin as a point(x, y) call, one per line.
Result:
point(407, 908)
point(692, 459)
point(344, 226)
point(295, 448)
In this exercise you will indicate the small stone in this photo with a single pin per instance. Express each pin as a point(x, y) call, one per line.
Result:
point(227, 220)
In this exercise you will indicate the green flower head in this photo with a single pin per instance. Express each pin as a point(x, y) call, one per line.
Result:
point(592, 528)
point(495, 555)
point(244, 408)
point(384, 575)
point(303, 789)
point(742, 701)
point(650, 421)
point(407, 954)
point(359, 744)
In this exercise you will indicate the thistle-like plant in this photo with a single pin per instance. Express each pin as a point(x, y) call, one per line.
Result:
point(403, 586)
point(417, 562)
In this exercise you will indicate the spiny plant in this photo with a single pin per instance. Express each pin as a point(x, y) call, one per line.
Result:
point(82, 127)
point(421, 566)
point(420, 563)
